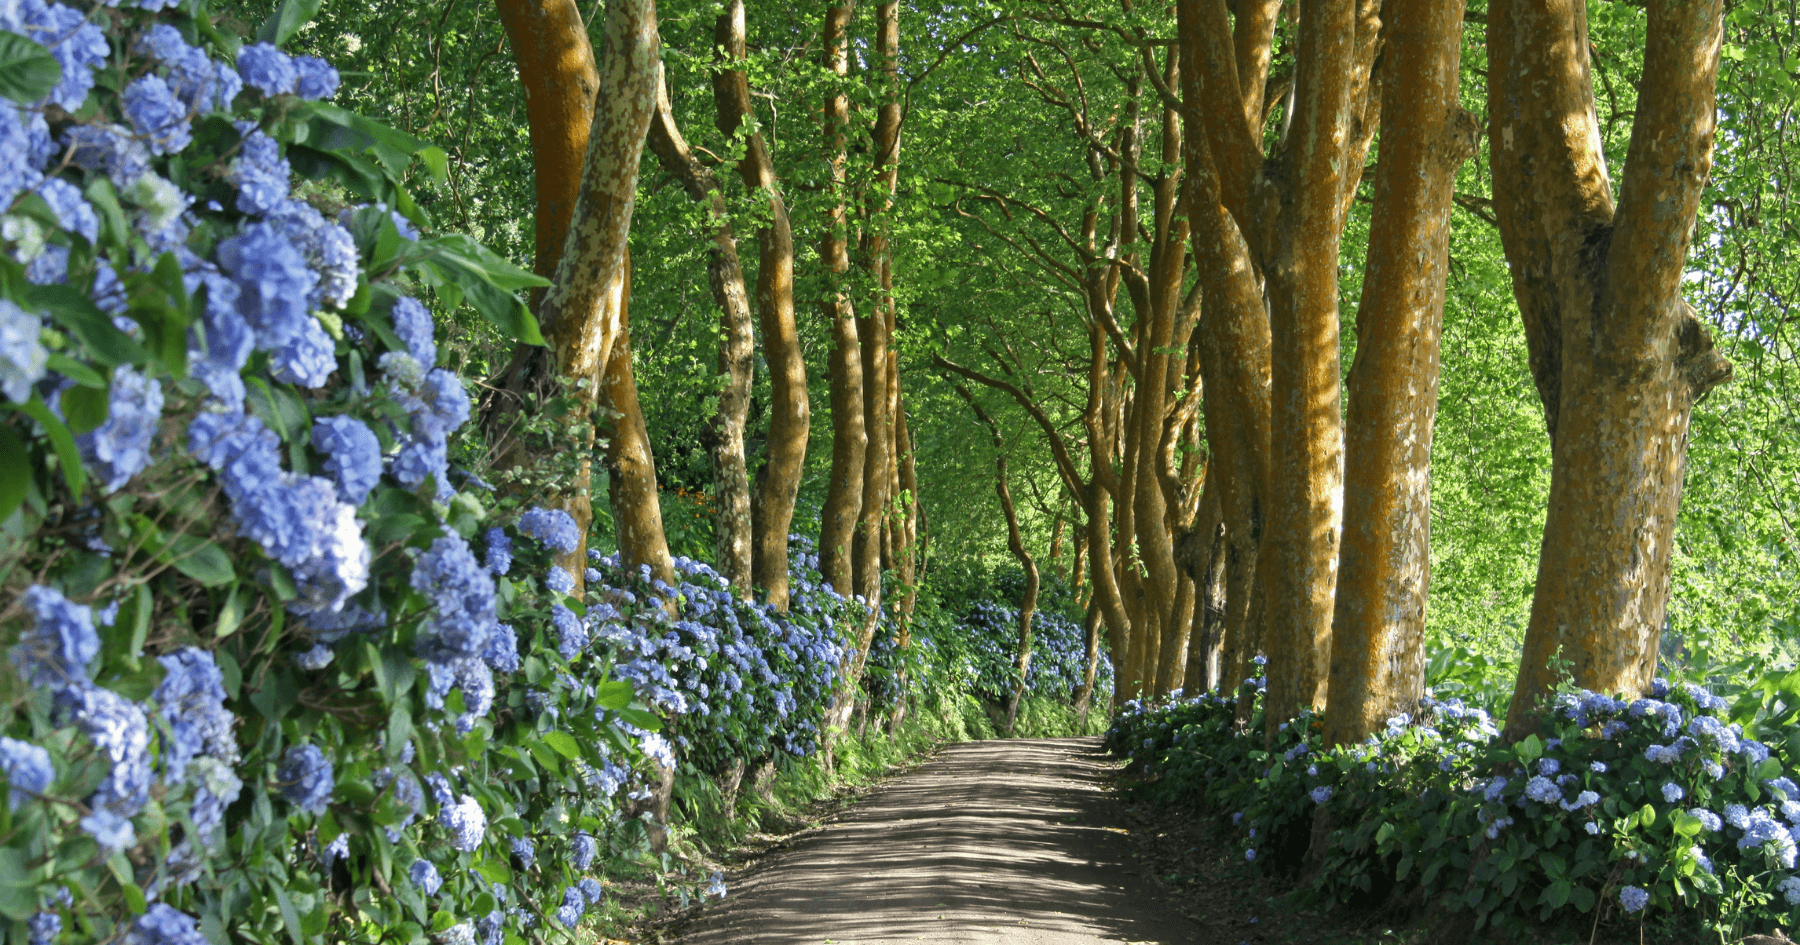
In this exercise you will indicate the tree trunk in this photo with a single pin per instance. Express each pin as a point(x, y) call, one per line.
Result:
point(1378, 628)
point(790, 413)
point(1319, 164)
point(587, 133)
point(1619, 358)
point(636, 502)
point(737, 348)
point(1084, 694)
point(849, 437)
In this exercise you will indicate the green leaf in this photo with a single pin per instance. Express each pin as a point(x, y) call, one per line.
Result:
point(18, 887)
point(436, 162)
point(289, 917)
point(616, 694)
point(286, 21)
point(1684, 824)
point(75, 370)
point(563, 744)
point(62, 441)
point(1530, 749)
point(642, 718)
point(27, 70)
point(1647, 815)
point(74, 311)
point(15, 474)
point(202, 560)
point(84, 408)
point(399, 731)
point(231, 614)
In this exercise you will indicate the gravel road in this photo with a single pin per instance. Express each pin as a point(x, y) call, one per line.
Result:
point(1014, 841)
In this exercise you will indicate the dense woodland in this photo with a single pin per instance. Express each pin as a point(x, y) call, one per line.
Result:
point(1026, 138)
point(815, 382)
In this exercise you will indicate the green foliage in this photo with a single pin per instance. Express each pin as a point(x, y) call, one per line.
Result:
point(1680, 801)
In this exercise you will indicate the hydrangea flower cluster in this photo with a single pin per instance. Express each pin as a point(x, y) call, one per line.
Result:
point(1628, 791)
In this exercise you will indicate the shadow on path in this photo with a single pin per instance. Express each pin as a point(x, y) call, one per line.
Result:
point(1014, 841)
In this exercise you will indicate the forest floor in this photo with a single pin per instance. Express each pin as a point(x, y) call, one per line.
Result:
point(1017, 841)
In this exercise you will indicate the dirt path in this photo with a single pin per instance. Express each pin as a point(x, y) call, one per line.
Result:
point(997, 841)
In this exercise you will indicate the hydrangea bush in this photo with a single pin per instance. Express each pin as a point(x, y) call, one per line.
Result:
point(989, 632)
point(273, 676)
point(1679, 807)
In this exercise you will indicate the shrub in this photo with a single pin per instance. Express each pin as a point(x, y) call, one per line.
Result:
point(1678, 806)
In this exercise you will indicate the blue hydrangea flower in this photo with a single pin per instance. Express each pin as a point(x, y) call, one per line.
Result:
point(159, 118)
point(164, 925)
point(526, 851)
point(73, 213)
point(1592, 827)
point(306, 778)
point(22, 353)
point(554, 527)
point(412, 324)
point(111, 149)
point(424, 875)
point(260, 173)
point(27, 768)
point(1633, 898)
point(191, 702)
point(317, 79)
point(492, 928)
point(466, 822)
point(1250, 854)
point(1320, 794)
point(1708, 819)
point(462, 595)
point(571, 636)
point(267, 69)
point(1543, 790)
point(61, 643)
point(307, 358)
point(120, 448)
point(111, 831)
point(715, 885)
point(273, 284)
point(1790, 890)
point(581, 851)
point(1672, 792)
point(329, 250)
point(1584, 799)
point(1548, 766)
point(573, 905)
point(560, 581)
point(502, 650)
point(353, 455)
point(44, 927)
point(1598, 767)
point(79, 47)
point(592, 891)
point(314, 659)
point(499, 552)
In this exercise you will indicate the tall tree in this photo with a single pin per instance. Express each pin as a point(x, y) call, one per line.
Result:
point(737, 347)
point(849, 435)
point(1618, 356)
point(790, 413)
point(1378, 630)
point(582, 311)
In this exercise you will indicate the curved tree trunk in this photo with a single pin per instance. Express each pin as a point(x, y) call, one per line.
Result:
point(1378, 629)
point(737, 347)
point(790, 413)
point(636, 501)
point(1619, 358)
point(849, 437)
point(587, 134)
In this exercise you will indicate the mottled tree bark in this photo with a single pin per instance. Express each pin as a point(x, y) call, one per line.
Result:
point(737, 348)
point(1378, 630)
point(636, 501)
point(849, 437)
point(1234, 342)
point(1619, 358)
point(587, 133)
point(790, 412)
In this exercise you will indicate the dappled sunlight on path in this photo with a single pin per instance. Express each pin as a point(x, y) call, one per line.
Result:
point(996, 841)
